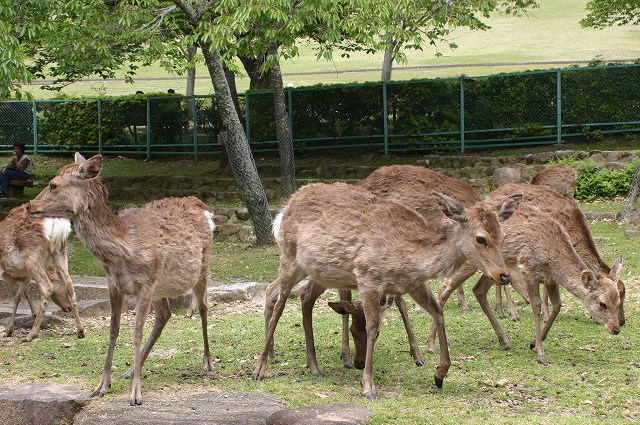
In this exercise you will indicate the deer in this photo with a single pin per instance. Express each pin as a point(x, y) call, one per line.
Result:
point(344, 237)
point(568, 215)
point(534, 259)
point(36, 248)
point(155, 252)
point(562, 178)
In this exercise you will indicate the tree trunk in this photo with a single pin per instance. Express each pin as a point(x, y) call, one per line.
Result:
point(240, 157)
point(387, 63)
point(257, 80)
point(283, 132)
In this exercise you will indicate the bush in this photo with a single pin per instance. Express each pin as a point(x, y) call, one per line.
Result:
point(594, 183)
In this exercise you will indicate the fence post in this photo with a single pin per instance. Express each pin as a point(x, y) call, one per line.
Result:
point(99, 126)
point(246, 118)
point(290, 117)
point(34, 111)
point(195, 127)
point(461, 115)
point(148, 128)
point(385, 118)
point(558, 106)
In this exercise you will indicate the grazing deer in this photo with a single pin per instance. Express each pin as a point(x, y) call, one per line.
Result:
point(560, 177)
point(345, 237)
point(567, 214)
point(538, 251)
point(30, 247)
point(155, 253)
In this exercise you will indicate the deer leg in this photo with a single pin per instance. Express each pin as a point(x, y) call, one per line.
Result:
point(270, 298)
point(414, 348)
point(16, 300)
point(115, 299)
point(462, 302)
point(308, 299)
point(445, 291)
point(553, 292)
point(63, 271)
point(279, 290)
point(534, 299)
point(143, 306)
point(371, 306)
point(545, 305)
point(480, 289)
point(345, 351)
point(511, 305)
point(162, 314)
point(46, 288)
point(200, 293)
point(499, 309)
point(193, 304)
point(423, 296)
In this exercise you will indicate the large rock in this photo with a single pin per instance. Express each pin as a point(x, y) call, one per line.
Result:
point(42, 403)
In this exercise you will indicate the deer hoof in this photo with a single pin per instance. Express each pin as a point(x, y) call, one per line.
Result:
point(135, 401)
point(515, 319)
point(349, 366)
point(258, 377)
point(80, 334)
point(438, 381)
point(371, 396)
point(543, 362)
point(419, 362)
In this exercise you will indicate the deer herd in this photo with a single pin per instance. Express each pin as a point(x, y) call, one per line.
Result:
point(387, 236)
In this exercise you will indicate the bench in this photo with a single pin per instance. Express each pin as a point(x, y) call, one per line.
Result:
point(16, 187)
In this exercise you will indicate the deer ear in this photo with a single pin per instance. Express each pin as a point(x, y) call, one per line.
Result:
point(90, 168)
point(508, 207)
point(79, 159)
point(614, 274)
point(589, 280)
point(449, 207)
point(342, 307)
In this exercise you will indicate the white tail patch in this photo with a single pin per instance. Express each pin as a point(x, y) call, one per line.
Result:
point(209, 216)
point(56, 230)
point(276, 224)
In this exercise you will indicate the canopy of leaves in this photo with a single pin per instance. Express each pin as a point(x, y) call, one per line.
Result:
point(607, 13)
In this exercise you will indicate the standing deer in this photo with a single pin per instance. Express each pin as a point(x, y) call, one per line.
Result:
point(345, 237)
point(155, 253)
point(29, 248)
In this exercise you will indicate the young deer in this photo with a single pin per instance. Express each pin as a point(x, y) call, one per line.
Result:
point(345, 237)
point(155, 252)
point(567, 214)
point(536, 256)
point(30, 247)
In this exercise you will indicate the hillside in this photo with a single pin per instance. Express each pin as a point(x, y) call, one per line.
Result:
point(547, 37)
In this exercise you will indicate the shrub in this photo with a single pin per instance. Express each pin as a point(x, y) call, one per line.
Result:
point(594, 183)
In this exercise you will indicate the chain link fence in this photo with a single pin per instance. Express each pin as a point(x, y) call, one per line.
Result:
point(431, 116)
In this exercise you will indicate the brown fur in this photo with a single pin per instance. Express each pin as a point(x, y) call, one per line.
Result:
point(561, 177)
point(347, 238)
point(26, 253)
point(155, 252)
point(536, 257)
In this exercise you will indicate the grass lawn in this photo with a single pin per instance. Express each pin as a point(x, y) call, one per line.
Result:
point(550, 35)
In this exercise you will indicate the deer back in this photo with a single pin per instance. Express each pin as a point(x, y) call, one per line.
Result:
point(411, 185)
point(335, 232)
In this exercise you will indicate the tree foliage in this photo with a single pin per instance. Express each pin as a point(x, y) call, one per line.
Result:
point(607, 13)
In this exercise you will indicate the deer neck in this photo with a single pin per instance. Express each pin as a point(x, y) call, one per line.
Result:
point(568, 271)
point(102, 232)
point(442, 255)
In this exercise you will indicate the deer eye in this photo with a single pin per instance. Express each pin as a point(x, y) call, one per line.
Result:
point(52, 186)
point(481, 240)
point(603, 305)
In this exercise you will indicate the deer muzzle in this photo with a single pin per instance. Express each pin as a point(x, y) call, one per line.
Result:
point(505, 279)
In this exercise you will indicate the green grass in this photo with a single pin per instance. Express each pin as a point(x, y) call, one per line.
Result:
point(548, 34)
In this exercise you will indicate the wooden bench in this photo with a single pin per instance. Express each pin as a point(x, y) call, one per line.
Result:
point(16, 187)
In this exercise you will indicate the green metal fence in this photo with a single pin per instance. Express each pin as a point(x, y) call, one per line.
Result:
point(455, 114)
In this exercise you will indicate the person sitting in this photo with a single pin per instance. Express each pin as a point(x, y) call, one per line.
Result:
point(19, 168)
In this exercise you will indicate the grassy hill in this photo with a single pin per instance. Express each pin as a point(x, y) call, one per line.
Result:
point(547, 37)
